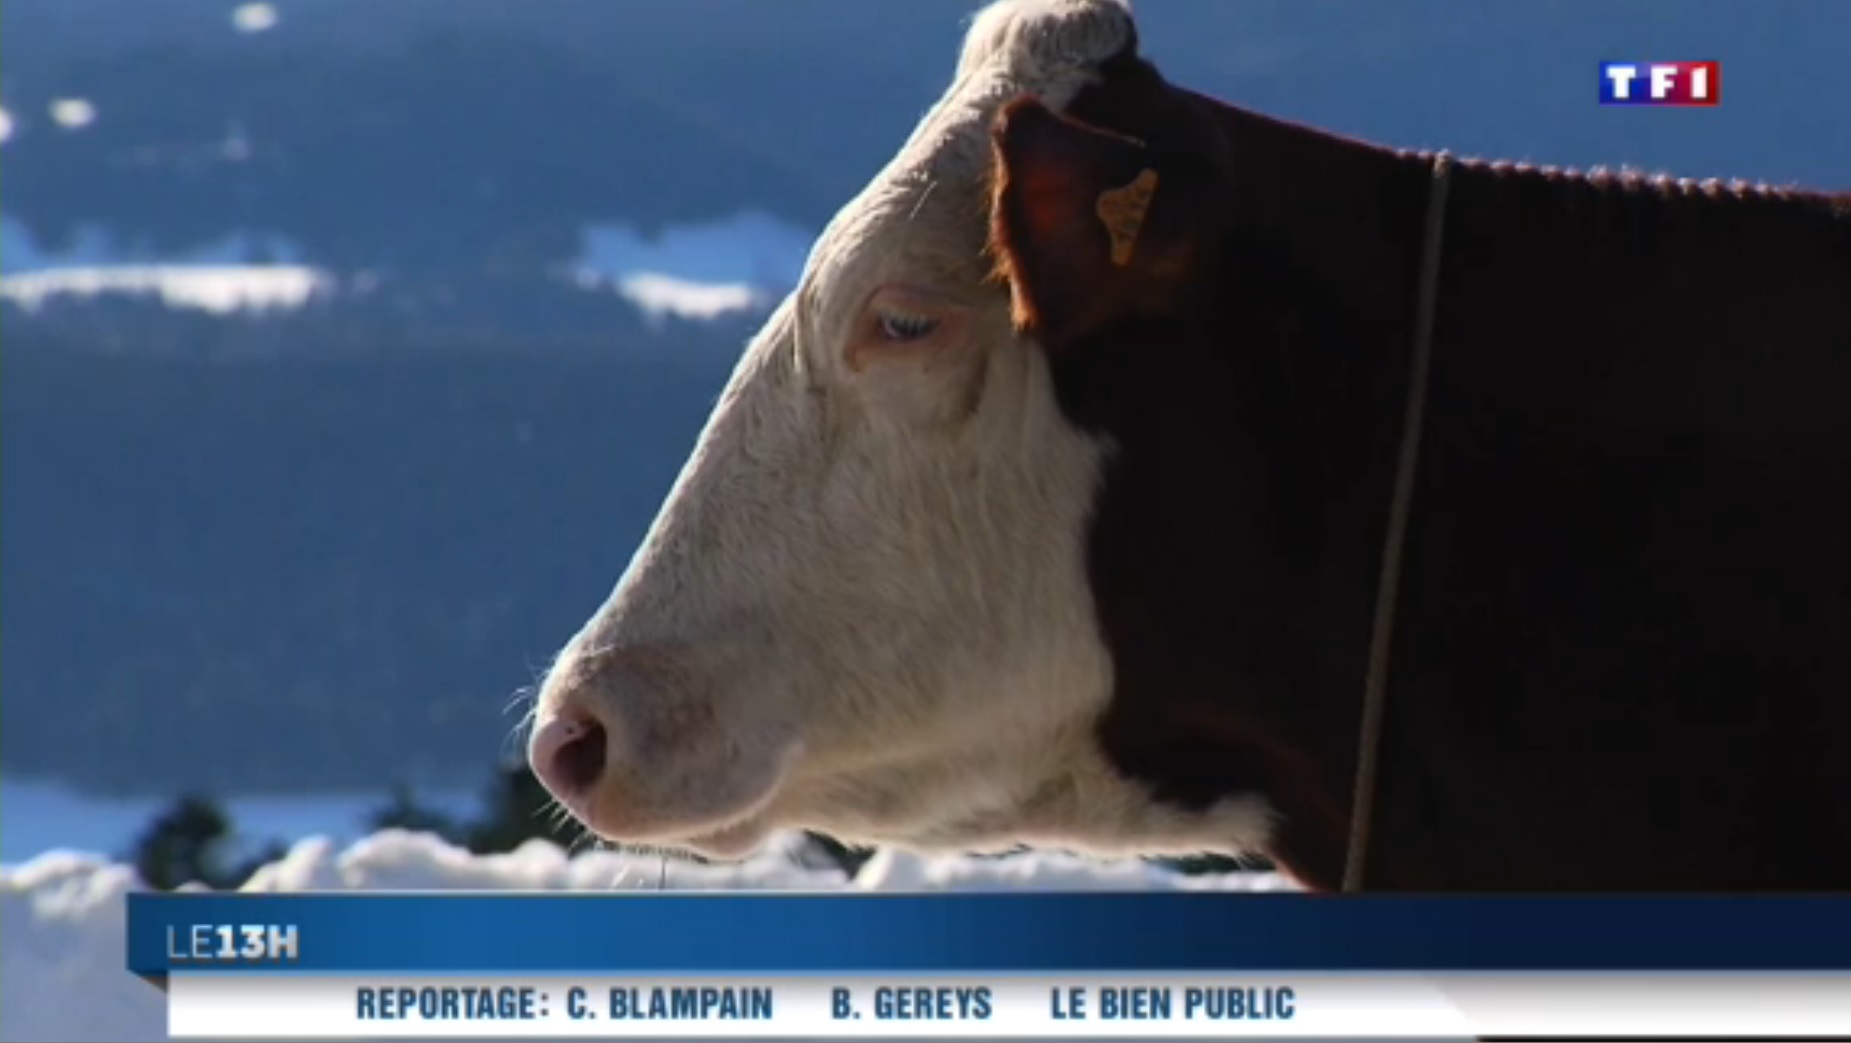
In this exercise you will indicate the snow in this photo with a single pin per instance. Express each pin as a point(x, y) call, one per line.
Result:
point(662, 295)
point(218, 277)
point(749, 247)
point(62, 922)
point(697, 271)
point(94, 246)
point(254, 18)
point(219, 289)
point(72, 113)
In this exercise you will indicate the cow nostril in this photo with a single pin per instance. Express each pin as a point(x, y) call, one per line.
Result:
point(581, 759)
point(569, 753)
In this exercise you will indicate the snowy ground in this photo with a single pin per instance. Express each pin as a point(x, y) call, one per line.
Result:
point(62, 946)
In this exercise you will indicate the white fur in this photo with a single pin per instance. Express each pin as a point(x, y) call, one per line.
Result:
point(864, 608)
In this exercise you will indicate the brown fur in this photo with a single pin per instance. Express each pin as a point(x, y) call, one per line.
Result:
point(1625, 641)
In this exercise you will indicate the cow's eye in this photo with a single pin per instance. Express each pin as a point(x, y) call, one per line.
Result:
point(905, 323)
point(904, 326)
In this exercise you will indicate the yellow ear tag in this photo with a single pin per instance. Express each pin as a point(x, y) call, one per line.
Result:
point(1123, 210)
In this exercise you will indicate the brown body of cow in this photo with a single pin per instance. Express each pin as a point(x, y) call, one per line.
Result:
point(1622, 655)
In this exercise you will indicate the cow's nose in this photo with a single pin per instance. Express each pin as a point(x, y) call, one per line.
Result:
point(568, 753)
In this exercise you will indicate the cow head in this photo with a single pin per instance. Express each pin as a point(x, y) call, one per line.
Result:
point(865, 608)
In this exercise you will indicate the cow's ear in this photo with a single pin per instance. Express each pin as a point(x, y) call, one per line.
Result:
point(1070, 203)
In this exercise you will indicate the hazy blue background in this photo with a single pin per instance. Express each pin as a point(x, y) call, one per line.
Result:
point(512, 248)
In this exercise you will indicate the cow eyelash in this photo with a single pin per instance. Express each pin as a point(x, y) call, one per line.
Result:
point(904, 326)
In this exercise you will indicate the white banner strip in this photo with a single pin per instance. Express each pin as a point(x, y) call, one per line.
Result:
point(1117, 1007)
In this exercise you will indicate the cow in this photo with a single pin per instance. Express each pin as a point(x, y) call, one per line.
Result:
point(1134, 474)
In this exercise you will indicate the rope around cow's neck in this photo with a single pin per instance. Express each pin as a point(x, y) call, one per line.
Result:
point(1388, 586)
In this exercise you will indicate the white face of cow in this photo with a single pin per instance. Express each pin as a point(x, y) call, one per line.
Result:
point(864, 608)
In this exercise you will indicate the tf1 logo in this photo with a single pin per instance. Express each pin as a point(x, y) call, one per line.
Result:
point(1660, 83)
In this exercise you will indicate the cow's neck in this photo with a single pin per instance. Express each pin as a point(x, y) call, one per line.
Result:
point(1325, 260)
point(1239, 536)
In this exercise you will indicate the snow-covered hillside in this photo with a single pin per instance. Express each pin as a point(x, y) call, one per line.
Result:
point(697, 271)
point(62, 942)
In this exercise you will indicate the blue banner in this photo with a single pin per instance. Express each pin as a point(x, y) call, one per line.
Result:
point(666, 933)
